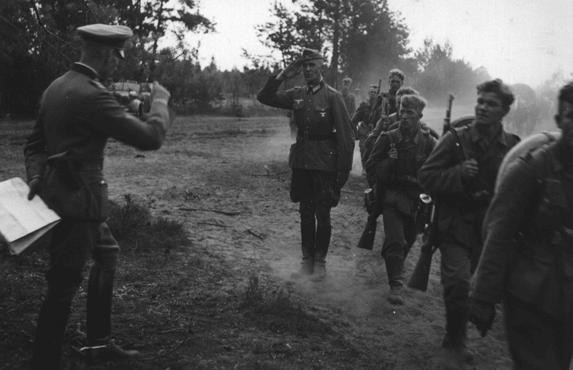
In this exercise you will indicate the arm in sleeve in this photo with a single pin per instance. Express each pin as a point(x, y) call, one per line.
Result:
point(501, 225)
point(35, 155)
point(344, 134)
point(269, 94)
point(377, 155)
point(441, 174)
point(104, 114)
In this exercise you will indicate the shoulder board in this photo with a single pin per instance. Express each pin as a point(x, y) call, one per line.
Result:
point(97, 84)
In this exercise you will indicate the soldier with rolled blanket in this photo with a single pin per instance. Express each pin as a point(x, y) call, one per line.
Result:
point(394, 163)
point(527, 259)
point(321, 157)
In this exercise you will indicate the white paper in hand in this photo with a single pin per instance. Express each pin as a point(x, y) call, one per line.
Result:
point(23, 221)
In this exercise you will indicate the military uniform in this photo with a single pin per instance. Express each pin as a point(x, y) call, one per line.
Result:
point(528, 260)
point(65, 153)
point(462, 206)
point(349, 102)
point(400, 191)
point(362, 128)
point(321, 157)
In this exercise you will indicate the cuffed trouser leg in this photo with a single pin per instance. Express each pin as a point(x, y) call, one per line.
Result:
point(100, 287)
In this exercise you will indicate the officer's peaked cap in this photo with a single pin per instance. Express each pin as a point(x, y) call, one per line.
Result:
point(113, 36)
point(310, 54)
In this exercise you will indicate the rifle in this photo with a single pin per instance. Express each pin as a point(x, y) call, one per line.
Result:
point(374, 211)
point(447, 121)
point(421, 273)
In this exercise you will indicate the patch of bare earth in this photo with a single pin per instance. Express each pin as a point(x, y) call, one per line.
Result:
point(225, 297)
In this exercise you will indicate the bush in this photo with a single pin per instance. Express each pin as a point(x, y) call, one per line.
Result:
point(136, 229)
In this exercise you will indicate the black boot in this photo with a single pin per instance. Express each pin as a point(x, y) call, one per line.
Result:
point(455, 338)
point(394, 267)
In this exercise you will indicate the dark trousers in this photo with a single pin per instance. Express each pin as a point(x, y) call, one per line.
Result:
point(317, 193)
point(536, 340)
point(399, 235)
point(458, 263)
point(315, 229)
point(72, 243)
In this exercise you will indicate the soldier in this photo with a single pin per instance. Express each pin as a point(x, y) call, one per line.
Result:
point(360, 119)
point(349, 98)
point(394, 162)
point(386, 103)
point(321, 157)
point(527, 259)
point(64, 161)
point(392, 121)
point(460, 173)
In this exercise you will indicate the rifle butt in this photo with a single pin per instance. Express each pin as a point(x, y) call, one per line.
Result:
point(421, 273)
point(367, 238)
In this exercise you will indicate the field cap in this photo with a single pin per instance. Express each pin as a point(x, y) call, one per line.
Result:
point(113, 36)
point(310, 54)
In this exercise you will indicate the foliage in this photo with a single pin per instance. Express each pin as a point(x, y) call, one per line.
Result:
point(440, 74)
point(37, 40)
point(137, 230)
point(363, 37)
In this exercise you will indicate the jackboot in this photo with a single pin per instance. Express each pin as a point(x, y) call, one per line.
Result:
point(319, 272)
point(394, 266)
point(306, 269)
point(455, 339)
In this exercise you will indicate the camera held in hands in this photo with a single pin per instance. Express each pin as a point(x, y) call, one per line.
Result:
point(135, 96)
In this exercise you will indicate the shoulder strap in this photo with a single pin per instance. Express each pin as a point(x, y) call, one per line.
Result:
point(459, 145)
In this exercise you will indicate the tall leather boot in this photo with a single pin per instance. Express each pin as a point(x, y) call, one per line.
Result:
point(456, 335)
point(307, 233)
point(394, 267)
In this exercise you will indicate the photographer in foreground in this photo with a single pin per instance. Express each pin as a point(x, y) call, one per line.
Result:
point(64, 163)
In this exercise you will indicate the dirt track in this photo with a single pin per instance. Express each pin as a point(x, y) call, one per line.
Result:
point(226, 180)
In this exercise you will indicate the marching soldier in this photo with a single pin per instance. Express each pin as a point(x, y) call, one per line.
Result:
point(394, 162)
point(386, 103)
point(461, 173)
point(527, 260)
point(64, 162)
point(321, 157)
point(359, 120)
point(349, 98)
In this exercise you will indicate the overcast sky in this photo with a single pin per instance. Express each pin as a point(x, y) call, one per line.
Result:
point(516, 40)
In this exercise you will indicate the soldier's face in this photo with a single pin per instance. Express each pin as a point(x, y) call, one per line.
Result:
point(564, 121)
point(109, 65)
point(311, 71)
point(489, 109)
point(409, 117)
point(346, 86)
point(395, 84)
point(372, 93)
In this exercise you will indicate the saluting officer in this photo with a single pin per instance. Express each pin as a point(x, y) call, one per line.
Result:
point(64, 162)
point(321, 157)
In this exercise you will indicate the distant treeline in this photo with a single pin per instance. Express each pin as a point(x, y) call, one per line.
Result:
point(362, 39)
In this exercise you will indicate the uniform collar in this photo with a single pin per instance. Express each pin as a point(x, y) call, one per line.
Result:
point(314, 89)
point(500, 136)
point(85, 69)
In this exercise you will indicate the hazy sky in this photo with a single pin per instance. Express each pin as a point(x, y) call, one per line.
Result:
point(517, 40)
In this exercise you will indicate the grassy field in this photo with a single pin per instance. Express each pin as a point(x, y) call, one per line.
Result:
point(204, 276)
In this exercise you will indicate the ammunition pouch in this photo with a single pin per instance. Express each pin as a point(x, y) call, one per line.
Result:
point(76, 190)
